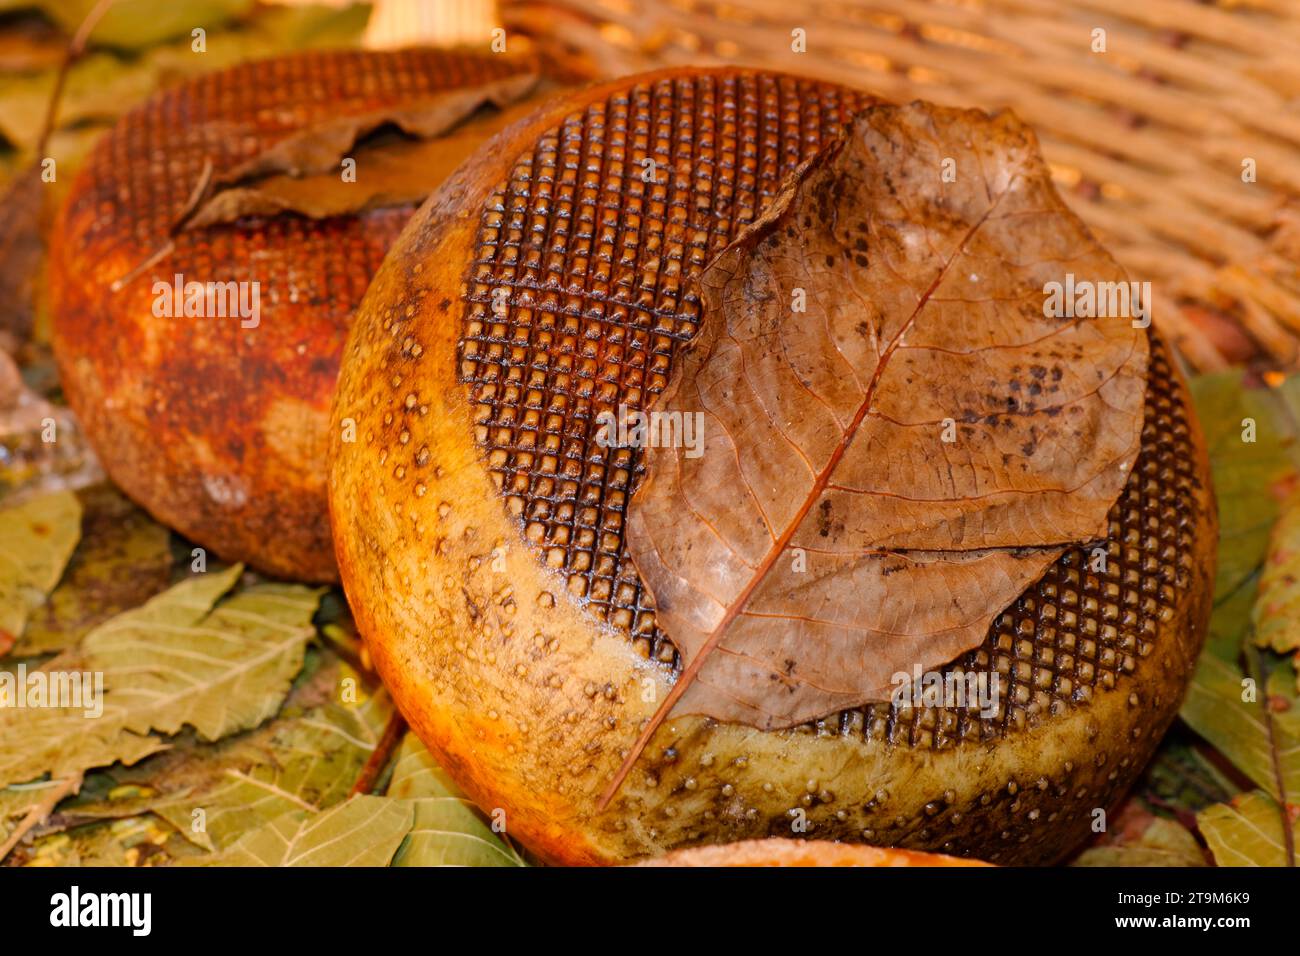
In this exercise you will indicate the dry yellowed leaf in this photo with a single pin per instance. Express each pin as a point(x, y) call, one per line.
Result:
point(302, 173)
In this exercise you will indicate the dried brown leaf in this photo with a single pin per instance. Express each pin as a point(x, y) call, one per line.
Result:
point(301, 174)
point(824, 430)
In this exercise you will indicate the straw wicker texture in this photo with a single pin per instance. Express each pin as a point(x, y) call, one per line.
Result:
point(1148, 140)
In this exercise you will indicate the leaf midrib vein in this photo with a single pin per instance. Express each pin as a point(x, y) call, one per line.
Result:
point(688, 674)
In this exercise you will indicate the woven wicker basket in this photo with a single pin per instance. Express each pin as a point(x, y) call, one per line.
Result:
point(1153, 140)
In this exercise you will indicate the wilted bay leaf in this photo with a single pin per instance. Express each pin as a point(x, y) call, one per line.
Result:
point(364, 831)
point(449, 830)
point(130, 841)
point(1251, 479)
point(214, 794)
point(18, 804)
point(176, 661)
point(123, 558)
point(37, 538)
point(922, 434)
point(417, 774)
point(1143, 839)
point(1248, 831)
point(1276, 615)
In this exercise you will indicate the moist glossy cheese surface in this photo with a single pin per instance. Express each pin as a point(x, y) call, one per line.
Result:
point(555, 280)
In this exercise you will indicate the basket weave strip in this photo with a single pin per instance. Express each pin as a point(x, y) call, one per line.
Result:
point(1146, 140)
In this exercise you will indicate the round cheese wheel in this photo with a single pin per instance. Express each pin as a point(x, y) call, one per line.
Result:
point(216, 423)
point(479, 524)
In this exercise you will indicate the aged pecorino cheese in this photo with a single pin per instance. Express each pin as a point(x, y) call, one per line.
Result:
point(201, 361)
point(480, 523)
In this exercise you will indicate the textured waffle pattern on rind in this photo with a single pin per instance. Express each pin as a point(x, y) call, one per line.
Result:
point(583, 288)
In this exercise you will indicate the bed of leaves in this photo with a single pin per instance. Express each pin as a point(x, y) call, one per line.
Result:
point(241, 715)
point(240, 718)
point(1225, 784)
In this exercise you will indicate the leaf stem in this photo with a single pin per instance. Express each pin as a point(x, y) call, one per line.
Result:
point(76, 47)
point(41, 810)
point(380, 756)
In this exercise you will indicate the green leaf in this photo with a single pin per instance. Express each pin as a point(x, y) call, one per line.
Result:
point(1276, 614)
point(303, 763)
point(313, 26)
point(37, 538)
point(102, 85)
point(123, 559)
point(1260, 735)
point(63, 741)
point(173, 662)
point(364, 831)
point(136, 24)
point(1181, 778)
point(308, 756)
point(416, 774)
point(1249, 477)
point(99, 88)
point(1156, 842)
point(284, 772)
point(1264, 746)
point(1248, 832)
point(449, 830)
